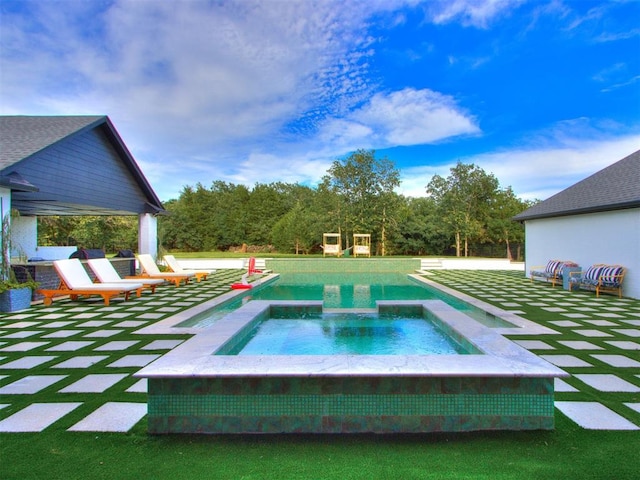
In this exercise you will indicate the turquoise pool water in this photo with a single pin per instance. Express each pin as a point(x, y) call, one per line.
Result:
point(340, 291)
point(347, 334)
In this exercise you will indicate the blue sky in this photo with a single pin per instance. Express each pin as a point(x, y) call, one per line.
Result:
point(539, 93)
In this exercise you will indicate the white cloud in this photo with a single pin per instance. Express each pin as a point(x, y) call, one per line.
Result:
point(535, 173)
point(476, 13)
point(401, 118)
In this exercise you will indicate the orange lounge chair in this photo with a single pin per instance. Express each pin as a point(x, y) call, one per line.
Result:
point(151, 270)
point(105, 273)
point(175, 267)
point(75, 282)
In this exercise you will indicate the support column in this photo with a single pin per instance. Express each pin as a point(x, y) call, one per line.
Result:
point(148, 234)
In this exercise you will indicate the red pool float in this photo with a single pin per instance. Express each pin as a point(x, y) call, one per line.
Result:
point(241, 286)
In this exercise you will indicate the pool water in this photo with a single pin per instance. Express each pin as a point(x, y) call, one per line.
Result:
point(342, 291)
point(347, 334)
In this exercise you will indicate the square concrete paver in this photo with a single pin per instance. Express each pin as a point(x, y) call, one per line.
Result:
point(579, 345)
point(624, 345)
point(112, 417)
point(93, 323)
point(560, 385)
point(617, 361)
point(130, 324)
point(58, 324)
point(23, 334)
point(565, 361)
point(83, 316)
point(31, 384)
point(118, 315)
point(634, 406)
point(26, 363)
point(134, 361)
point(69, 346)
point(103, 333)
point(81, 362)
point(116, 346)
point(594, 416)
point(534, 344)
point(21, 324)
point(94, 383)
point(602, 323)
point(592, 333)
point(151, 316)
point(565, 323)
point(629, 332)
point(63, 334)
point(139, 387)
point(36, 417)
point(23, 346)
point(606, 382)
point(162, 345)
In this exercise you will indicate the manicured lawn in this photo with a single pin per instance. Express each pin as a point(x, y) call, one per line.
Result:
point(568, 452)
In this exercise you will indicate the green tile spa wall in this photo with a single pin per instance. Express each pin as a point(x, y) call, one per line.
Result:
point(348, 404)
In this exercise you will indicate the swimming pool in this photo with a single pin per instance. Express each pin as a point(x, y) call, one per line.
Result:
point(346, 333)
point(198, 387)
point(350, 290)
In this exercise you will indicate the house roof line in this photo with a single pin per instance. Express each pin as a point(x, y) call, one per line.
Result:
point(22, 137)
point(615, 187)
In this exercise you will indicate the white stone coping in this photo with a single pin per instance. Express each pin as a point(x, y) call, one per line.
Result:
point(521, 326)
point(168, 325)
point(499, 357)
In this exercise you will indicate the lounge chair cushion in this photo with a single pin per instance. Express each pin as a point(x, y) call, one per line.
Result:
point(105, 273)
point(611, 276)
point(75, 277)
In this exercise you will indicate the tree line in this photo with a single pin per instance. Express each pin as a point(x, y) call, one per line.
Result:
point(466, 213)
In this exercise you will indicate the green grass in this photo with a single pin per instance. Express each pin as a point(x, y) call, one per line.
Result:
point(568, 452)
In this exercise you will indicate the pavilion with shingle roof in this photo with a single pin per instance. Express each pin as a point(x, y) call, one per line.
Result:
point(71, 165)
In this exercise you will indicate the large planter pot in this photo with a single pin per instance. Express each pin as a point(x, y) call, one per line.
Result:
point(15, 299)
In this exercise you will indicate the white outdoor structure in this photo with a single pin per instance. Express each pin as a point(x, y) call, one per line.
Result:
point(331, 244)
point(594, 221)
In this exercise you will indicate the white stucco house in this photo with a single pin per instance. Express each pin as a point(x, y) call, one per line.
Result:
point(597, 220)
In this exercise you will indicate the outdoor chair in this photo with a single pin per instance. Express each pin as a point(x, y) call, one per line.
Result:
point(599, 277)
point(552, 272)
point(175, 267)
point(151, 270)
point(106, 273)
point(75, 282)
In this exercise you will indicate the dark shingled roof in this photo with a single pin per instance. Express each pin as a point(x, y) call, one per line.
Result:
point(21, 137)
point(615, 187)
point(28, 137)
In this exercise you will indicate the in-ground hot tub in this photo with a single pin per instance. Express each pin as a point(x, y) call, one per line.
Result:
point(494, 385)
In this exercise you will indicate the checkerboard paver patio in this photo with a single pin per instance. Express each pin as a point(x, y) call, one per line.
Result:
point(42, 348)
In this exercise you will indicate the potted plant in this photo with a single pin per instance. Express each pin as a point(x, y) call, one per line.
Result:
point(14, 295)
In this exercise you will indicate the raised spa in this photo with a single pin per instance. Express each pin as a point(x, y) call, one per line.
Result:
point(202, 387)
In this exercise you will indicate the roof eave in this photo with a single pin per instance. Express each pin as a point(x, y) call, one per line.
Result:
point(580, 211)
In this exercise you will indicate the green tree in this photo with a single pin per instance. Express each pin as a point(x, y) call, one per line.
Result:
point(463, 200)
point(419, 230)
point(364, 198)
point(500, 225)
point(296, 230)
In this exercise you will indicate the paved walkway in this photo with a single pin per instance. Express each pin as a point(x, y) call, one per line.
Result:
point(70, 365)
